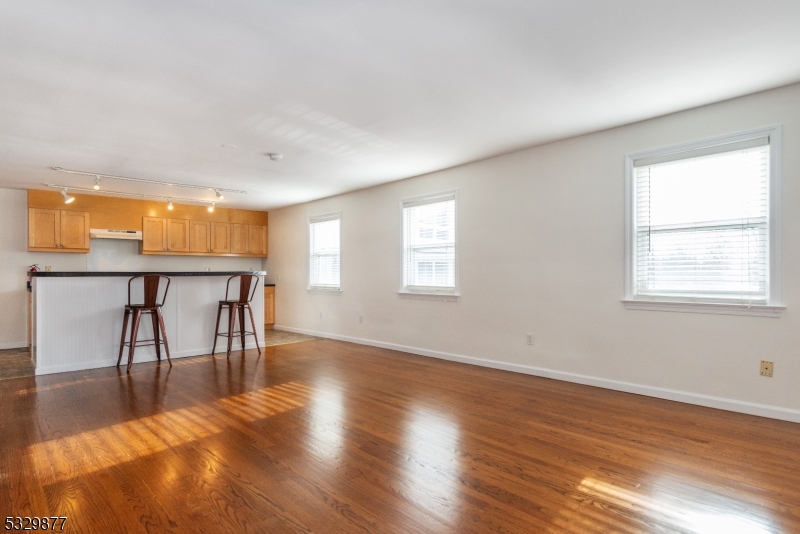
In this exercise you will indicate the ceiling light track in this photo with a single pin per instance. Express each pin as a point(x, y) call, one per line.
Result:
point(98, 176)
point(168, 199)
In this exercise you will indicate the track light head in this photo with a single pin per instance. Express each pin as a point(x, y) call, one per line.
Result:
point(219, 195)
point(211, 207)
point(96, 183)
point(169, 205)
point(67, 199)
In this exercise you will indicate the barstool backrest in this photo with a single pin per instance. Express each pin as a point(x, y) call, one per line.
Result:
point(246, 281)
point(151, 283)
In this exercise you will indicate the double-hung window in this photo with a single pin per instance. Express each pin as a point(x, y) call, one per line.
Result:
point(429, 244)
point(325, 261)
point(703, 224)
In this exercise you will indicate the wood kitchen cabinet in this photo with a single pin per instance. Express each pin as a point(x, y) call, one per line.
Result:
point(162, 235)
point(257, 240)
point(154, 234)
point(199, 236)
point(177, 235)
point(220, 238)
point(58, 231)
point(269, 307)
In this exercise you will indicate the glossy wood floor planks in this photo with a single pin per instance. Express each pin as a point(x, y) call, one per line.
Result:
point(329, 437)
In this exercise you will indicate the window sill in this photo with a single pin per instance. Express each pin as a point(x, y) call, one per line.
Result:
point(759, 310)
point(447, 297)
point(325, 291)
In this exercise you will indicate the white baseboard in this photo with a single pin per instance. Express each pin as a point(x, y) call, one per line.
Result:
point(732, 405)
point(144, 358)
point(14, 345)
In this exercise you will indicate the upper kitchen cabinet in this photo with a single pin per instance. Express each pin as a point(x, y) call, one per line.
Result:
point(51, 230)
point(256, 240)
point(154, 234)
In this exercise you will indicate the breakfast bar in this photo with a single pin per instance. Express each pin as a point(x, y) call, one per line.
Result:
point(76, 317)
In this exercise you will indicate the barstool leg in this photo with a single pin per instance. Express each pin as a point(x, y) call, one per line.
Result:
point(124, 331)
point(242, 329)
point(253, 322)
point(156, 337)
point(216, 330)
point(231, 323)
point(164, 334)
point(137, 315)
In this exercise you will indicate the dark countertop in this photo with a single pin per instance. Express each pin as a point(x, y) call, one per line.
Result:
point(69, 274)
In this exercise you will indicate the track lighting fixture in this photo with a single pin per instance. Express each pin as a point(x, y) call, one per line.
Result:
point(98, 176)
point(211, 207)
point(67, 198)
point(96, 183)
point(219, 195)
point(169, 205)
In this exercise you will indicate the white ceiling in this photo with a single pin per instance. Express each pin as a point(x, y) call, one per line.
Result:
point(354, 93)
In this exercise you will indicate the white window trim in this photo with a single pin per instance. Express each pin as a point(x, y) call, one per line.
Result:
point(773, 308)
point(316, 219)
point(448, 294)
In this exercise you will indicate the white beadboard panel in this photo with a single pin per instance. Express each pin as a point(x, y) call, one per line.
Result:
point(78, 320)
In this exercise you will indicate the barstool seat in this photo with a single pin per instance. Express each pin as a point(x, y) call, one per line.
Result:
point(246, 281)
point(135, 312)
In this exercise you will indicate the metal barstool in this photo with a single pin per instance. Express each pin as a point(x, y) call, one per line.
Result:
point(151, 306)
point(246, 281)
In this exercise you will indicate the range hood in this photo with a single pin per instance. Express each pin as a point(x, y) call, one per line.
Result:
point(100, 233)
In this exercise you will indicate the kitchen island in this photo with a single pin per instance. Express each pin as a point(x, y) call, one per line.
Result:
point(76, 317)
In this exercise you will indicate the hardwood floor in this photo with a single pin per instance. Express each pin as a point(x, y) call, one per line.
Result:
point(325, 436)
point(15, 363)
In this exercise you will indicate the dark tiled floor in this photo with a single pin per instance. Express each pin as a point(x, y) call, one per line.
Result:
point(15, 363)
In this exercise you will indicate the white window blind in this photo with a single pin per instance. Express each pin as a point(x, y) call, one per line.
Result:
point(325, 252)
point(429, 244)
point(702, 226)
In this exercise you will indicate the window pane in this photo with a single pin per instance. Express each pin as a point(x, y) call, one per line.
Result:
point(429, 252)
point(324, 268)
point(702, 226)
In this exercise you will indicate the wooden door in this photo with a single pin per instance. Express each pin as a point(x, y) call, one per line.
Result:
point(178, 235)
point(220, 238)
point(238, 239)
point(44, 228)
point(154, 234)
point(74, 230)
point(269, 306)
point(199, 236)
point(257, 240)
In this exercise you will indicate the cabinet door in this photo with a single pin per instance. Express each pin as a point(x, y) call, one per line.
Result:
point(269, 306)
point(238, 239)
point(178, 235)
point(257, 240)
point(199, 236)
point(154, 234)
point(220, 238)
point(74, 230)
point(44, 228)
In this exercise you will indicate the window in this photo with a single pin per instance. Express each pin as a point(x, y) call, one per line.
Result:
point(703, 222)
point(429, 244)
point(324, 237)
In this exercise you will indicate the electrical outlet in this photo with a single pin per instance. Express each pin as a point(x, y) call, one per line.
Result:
point(47, 268)
point(360, 318)
point(529, 338)
point(766, 368)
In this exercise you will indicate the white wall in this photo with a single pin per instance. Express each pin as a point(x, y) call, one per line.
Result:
point(541, 248)
point(105, 255)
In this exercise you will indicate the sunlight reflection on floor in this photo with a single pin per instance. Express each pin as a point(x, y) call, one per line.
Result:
point(714, 515)
point(79, 454)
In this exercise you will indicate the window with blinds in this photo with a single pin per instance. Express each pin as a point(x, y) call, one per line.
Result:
point(324, 238)
point(429, 244)
point(701, 225)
